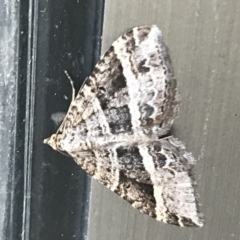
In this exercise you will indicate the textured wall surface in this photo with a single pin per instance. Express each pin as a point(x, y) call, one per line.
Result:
point(203, 38)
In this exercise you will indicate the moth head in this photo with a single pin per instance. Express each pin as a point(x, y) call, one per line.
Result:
point(52, 141)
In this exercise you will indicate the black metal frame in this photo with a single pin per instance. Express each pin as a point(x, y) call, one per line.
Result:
point(47, 193)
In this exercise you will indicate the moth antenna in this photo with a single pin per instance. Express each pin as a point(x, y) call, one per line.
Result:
point(72, 85)
point(73, 98)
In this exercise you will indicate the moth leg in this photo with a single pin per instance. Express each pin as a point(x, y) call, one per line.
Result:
point(72, 85)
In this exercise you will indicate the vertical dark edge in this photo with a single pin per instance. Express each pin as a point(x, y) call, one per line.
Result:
point(98, 32)
point(30, 80)
point(21, 182)
point(59, 209)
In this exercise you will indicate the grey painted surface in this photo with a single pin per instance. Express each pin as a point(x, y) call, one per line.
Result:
point(204, 41)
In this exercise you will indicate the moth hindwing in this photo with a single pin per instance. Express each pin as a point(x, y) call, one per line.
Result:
point(117, 129)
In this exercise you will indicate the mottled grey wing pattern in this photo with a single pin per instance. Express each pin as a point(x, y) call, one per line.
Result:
point(115, 126)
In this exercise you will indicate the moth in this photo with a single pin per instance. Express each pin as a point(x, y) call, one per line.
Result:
point(117, 129)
